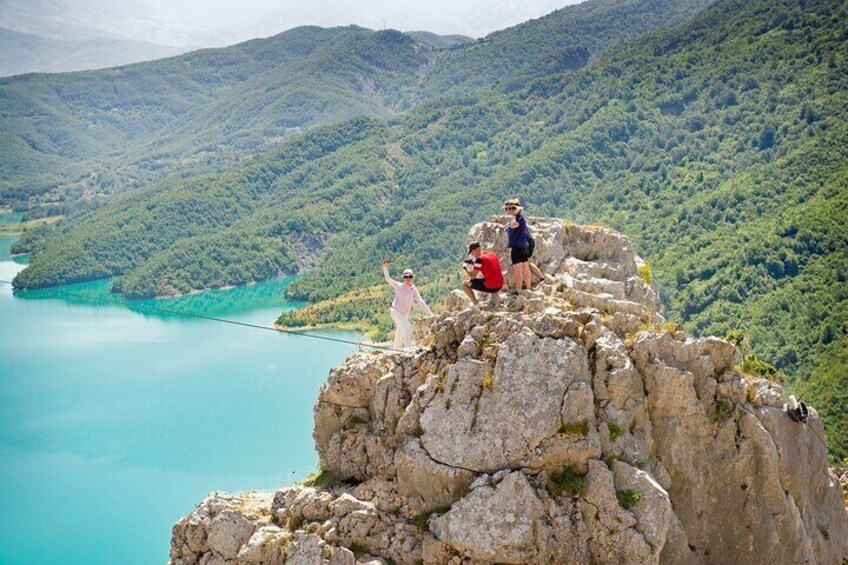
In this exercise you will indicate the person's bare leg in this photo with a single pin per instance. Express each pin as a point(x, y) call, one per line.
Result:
point(469, 292)
point(525, 271)
point(517, 277)
point(466, 287)
point(536, 271)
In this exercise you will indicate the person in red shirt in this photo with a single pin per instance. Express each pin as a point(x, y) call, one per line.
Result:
point(484, 272)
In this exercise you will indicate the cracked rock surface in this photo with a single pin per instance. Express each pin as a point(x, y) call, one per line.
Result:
point(568, 424)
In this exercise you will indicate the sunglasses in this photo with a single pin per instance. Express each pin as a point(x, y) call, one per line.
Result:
point(509, 207)
point(408, 276)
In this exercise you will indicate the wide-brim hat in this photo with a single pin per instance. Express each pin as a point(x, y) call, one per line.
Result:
point(408, 273)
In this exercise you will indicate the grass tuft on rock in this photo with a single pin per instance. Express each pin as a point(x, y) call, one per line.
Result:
point(321, 479)
point(616, 430)
point(422, 521)
point(489, 380)
point(568, 482)
point(723, 408)
point(574, 428)
point(628, 498)
point(358, 549)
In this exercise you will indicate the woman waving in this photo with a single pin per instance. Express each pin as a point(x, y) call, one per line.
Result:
point(405, 295)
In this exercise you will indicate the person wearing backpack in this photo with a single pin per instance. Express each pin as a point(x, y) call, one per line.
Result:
point(518, 241)
point(531, 247)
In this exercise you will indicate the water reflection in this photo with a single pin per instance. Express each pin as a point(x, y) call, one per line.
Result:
point(214, 303)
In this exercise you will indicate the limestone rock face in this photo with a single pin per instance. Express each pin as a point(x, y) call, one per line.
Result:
point(501, 523)
point(569, 424)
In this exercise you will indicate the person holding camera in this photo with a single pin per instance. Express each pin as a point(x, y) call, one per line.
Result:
point(483, 273)
point(518, 241)
point(405, 295)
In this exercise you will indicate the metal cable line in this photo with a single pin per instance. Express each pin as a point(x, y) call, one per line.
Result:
point(360, 344)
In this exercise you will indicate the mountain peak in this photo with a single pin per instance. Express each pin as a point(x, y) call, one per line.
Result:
point(570, 424)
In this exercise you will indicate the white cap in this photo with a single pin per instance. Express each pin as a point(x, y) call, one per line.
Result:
point(408, 273)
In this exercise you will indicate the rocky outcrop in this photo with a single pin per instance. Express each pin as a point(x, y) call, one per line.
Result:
point(568, 424)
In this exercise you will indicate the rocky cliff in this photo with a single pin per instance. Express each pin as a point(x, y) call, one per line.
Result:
point(569, 424)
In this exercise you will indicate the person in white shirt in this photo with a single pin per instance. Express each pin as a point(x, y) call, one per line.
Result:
point(405, 295)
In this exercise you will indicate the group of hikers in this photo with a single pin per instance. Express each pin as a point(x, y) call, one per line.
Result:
point(482, 271)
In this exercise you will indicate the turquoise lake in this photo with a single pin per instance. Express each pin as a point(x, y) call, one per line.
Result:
point(115, 421)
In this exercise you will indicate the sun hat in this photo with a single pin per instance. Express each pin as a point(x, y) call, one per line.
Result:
point(408, 273)
point(512, 202)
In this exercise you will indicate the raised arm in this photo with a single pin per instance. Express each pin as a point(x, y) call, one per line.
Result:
point(391, 282)
point(423, 304)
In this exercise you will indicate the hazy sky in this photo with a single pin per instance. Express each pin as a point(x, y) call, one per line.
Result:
point(477, 17)
point(215, 22)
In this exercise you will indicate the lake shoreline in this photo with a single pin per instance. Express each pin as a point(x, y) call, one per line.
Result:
point(363, 329)
point(119, 416)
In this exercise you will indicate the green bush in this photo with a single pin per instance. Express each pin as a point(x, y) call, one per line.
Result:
point(646, 273)
point(753, 365)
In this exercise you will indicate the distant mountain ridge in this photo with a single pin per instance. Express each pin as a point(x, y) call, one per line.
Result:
point(221, 24)
point(29, 53)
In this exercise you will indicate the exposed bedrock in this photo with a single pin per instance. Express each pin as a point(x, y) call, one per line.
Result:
point(568, 424)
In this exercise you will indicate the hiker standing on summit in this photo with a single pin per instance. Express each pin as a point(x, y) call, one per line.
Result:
point(518, 241)
point(405, 295)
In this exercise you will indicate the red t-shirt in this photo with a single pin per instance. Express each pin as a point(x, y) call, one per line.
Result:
point(489, 265)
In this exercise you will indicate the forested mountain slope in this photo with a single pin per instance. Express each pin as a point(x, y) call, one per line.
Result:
point(439, 41)
point(79, 135)
point(720, 147)
point(559, 42)
point(57, 128)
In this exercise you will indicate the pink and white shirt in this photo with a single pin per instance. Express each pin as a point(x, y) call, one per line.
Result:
point(405, 295)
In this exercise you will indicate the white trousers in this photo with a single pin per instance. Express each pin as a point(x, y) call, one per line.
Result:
point(403, 330)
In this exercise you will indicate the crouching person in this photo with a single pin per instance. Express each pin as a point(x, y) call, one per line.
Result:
point(483, 272)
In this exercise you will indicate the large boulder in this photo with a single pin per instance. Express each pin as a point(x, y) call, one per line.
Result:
point(502, 523)
point(485, 418)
